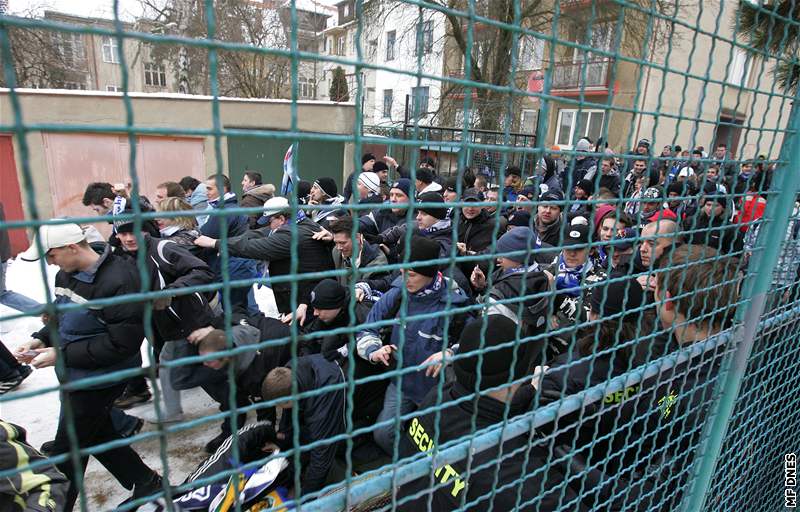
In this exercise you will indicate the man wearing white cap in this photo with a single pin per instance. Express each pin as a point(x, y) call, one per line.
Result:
point(91, 342)
point(274, 245)
point(369, 189)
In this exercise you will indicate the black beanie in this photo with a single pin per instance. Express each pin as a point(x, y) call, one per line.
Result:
point(380, 166)
point(616, 297)
point(367, 157)
point(432, 197)
point(496, 367)
point(328, 185)
point(328, 294)
point(424, 249)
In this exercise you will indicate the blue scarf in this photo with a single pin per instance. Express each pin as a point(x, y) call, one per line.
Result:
point(568, 279)
point(435, 286)
point(438, 226)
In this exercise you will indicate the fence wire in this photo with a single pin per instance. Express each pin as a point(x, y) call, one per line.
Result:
point(546, 321)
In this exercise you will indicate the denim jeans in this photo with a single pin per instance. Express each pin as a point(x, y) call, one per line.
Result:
point(384, 434)
point(14, 300)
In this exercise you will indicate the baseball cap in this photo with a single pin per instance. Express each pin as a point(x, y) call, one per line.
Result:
point(576, 234)
point(472, 194)
point(273, 206)
point(53, 236)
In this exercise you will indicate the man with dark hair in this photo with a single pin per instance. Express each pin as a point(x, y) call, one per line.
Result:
point(251, 179)
point(91, 342)
point(382, 170)
point(362, 255)
point(273, 244)
point(376, 222)
point(324, 192)
point(476, 226)
point(548, 217)
point(637, 170)
point(429, 293)
point(195, 194)
point(513, 183)
point(425, 182)
point(609, 175)
point(169, 189)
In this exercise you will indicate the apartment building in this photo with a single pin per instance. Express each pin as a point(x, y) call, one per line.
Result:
point(675, 107)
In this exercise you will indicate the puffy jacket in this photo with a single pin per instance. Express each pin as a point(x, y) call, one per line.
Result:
point(321, 417)
point(40, 490)
point(98, 340)
point(172, 267)
point(484, 480)
point(275, 247)
point(255, 198)
point(423, 337)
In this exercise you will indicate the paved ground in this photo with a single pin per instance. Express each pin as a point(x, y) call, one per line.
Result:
point(39, 414)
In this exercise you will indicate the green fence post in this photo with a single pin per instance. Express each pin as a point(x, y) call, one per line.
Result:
point(754, 293)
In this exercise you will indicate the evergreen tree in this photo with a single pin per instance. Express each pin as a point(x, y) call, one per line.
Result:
point(338, 91)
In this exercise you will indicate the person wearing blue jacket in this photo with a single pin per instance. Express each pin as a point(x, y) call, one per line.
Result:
point(91, 342)
point(429, 292)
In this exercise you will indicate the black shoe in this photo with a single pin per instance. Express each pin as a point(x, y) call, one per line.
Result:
point(47, 449)
point(215, 443)
point(15, 380)
point(152, 486)
point(135, 430)
point(127, 400)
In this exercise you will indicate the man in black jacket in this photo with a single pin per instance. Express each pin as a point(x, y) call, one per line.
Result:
point(481, 481)
point(274, 245)
point(91, 342)
point(476, 226)
point(321, 416)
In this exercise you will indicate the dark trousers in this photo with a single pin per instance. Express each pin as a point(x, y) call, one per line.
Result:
point(9, 365)
point(91, 411)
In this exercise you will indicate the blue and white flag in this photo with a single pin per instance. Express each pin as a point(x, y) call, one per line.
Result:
point(289, 174)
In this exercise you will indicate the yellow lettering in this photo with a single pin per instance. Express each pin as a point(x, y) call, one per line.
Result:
point(458, 486)
point(448, 472)
point(424, 440)
point(418, 435)
point(413, 428)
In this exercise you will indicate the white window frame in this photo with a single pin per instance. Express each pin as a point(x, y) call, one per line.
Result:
point(156, 74)
point(739, 69)
point(391, 49)
point(113, 88)
point(307, 87)
point(110, 50)
point(384, 112)
point(531, 112)
point(574, 124)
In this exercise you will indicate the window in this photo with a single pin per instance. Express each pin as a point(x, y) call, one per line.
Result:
point(328, 44)
point(70, 48)
point(110, 50)
point(346, 10)
point(353, 43)
point(155, 76)
point(424, 38)
point(527, 121)
point(739, 69)
point(573, 124)
point(388, 99)
point(372, 50)
point(113, 88)
point(308, 87)
point(74, 86)
point(340, 42)
point(390, 40)
point(531, 53)
point(419, 101)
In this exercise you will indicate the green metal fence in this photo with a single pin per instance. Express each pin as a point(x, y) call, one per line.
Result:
point(643, 424)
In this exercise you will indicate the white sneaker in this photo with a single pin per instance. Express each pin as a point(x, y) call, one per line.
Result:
point(151, 418)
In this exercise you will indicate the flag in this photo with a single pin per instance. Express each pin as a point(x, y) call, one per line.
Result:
point(289, 174)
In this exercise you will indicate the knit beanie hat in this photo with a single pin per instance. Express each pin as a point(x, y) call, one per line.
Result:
point(403, 184)
point(432, 197)
point(602, 211)
point(495, 369)
point(328, 294)
point(328, 185)
point(616, 297)
point(367, 157)
point(586, 186)
point(371, 181)
point(424, 249)
point(380, 166)
point(519, 218)
point(518, 239)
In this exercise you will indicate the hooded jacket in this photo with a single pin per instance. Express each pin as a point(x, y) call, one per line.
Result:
point(488, 486)
point(172, 267)
point(370, 256)
point(255, 198)
point(275, 247)
point(423, 337)
point(321, 417)
point(97, 340)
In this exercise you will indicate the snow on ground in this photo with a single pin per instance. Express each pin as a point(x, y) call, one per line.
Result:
point(39, 414)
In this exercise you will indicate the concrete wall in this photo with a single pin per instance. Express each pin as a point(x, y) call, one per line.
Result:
point(155, 111)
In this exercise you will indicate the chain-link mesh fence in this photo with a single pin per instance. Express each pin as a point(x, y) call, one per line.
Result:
point(582, 328)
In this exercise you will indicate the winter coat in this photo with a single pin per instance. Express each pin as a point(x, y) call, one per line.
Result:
point(370, 256)
point(320, 416)
point(324, 217)
point(493, 470)
point(98, 340)
point(549, 233)
point(237, 223)
point(576, 171)
point(43, 489)
point(715, 233)
point(172, 267)
point(185, 238)
point(376, 222)
point(476, 233)
point(423, 337)
point(610, 182)
point(653, 453)
point(255, 198)
point(275, 247)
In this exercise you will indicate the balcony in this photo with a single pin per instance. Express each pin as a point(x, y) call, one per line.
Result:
point(573, 77)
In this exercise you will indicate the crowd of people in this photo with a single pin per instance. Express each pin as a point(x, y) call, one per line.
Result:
point(572, 274)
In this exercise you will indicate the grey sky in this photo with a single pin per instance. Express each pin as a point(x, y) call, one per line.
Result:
point(129, 9)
